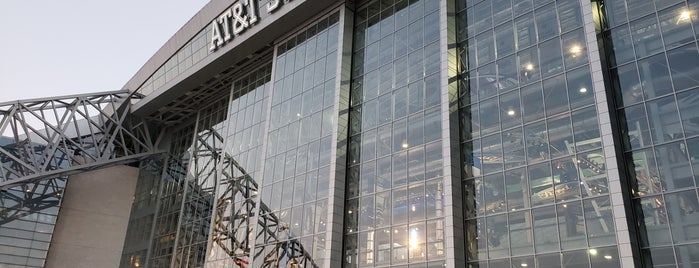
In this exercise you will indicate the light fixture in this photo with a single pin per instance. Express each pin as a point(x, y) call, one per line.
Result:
point(413, 239)
point(405, 145)
point(511, 112)
point(575, 50)
point(349, 212)
point(683, 17)
point(593, 252)
point(529, 67)
point(607, 257)
point(583, 89)
point(413, 208)
point(524, 264)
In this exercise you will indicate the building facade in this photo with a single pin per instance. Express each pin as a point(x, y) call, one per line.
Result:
point(411, 133)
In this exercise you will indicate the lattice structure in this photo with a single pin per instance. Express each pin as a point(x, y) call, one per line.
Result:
point(232, 230)
point(59, 136)
point(29, 198)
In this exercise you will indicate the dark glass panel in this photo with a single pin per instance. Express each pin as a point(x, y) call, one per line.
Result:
point(549, 260)
point(525, 30)
point(687, 255)
point(638, 8)
point(683, 67)
point(645, 32)
point(502, 11)
point(682, 212)
point(551, 57)
point(513, 144)
point(521, 235)
point(505, 41)
point(574, 49)
point(546, 22)
point(517, 189)
point(541, 184)
point(498, 238)
point(571, 225)
point(569, 14)
point(675, 25)
point(536, 139)
point(627, 85)
point(660, 257)
point(663, 119)
point(655, 78)
point(688, 103)
point(586, 129)
point(599, 221)
point(576, 259)
point(555, 96)
point(532, 103)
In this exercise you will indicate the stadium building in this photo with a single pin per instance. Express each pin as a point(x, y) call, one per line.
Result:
point(384, 133)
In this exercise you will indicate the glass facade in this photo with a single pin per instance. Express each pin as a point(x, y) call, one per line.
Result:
point(328, 148)
point(297, 160)
point(27, 218)
point(534, 176)
point(394, 187)
point(652, 63)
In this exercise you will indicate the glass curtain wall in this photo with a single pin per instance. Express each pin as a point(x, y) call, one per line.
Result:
point(142, 214)
point(236, 198)
point(293, 207)
point(534, 175)
point(394, 188)
point(27, 219)
point(652, 61)
point(170, 195)
point(195, 218)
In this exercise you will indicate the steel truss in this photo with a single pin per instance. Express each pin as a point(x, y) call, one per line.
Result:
point(233, 232)
point(56, 137)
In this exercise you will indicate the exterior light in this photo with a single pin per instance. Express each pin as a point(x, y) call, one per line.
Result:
point(575, 50)
point(583, 89)
point(683, 17)
point(413, 239)
point(607, 257)
point(593, 252)
point(511, 112)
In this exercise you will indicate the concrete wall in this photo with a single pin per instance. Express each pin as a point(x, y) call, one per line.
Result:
point(92, 222)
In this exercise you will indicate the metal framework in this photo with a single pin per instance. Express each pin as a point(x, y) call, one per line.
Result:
point(55, 137)
point(45, 140)
point(233, 233)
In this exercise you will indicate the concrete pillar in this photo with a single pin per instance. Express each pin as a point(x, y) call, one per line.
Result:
point(91, 224)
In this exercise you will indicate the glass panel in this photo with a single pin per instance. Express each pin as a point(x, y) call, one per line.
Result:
point(664, 120)
point(606, 257)
point(646, 37)
point(655, 78)
point(555, 96)
point(685, 73)
point(520, 231)
point(571, 225)
point(533, 103)
point(546, 22)
point(574, 49)
point(551, 57)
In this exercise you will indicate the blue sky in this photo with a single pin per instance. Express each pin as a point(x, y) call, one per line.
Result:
point(50, 48)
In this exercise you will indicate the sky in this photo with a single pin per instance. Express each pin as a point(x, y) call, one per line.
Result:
point(53, 48)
